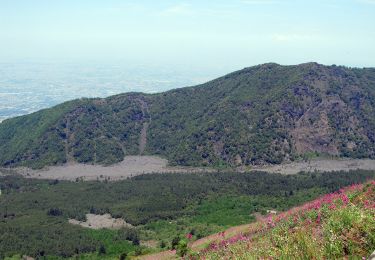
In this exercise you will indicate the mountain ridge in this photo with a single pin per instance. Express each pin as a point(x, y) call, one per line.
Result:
point(265, 114)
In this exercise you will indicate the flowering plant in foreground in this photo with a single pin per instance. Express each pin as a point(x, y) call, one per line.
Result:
point(333, 226)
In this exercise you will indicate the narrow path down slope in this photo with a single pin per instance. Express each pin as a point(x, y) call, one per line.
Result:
point(143, 135)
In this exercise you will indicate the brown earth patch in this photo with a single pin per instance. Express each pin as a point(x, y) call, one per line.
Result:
point(101, 221)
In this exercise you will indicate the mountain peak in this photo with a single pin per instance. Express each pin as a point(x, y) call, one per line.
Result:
point(264, 114)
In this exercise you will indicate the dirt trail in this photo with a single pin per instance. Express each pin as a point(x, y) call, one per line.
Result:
point(249, 229)
point(143, 138)
point(159, 256)
point(68, 139)
point(143, 135)
point(230, 232)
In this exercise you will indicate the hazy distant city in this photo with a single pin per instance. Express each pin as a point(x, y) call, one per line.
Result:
point(28, 87)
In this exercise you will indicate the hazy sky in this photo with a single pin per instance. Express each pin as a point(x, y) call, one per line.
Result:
point(204, 33)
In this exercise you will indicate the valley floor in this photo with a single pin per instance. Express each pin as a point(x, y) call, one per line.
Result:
point(319, 165)
point(135, 165)
point(131, 166)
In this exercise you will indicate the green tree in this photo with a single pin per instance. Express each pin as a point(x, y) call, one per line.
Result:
point(182, 248)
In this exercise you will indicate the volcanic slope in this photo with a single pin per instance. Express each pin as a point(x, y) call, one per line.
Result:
point(263, 114)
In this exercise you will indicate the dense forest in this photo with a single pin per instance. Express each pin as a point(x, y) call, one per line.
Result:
point(162, 207)
point(262, 114)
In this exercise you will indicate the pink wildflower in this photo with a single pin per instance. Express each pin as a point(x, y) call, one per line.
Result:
point(344, 199)
point(270, 222)
point(189, 236)
point(318, 219)
point(223, 243)
point(213, 246)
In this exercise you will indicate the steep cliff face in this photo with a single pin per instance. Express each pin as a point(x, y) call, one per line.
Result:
point(263, 114)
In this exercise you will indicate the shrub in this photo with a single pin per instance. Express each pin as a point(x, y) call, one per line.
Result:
point(54, 212)
point(182, 248)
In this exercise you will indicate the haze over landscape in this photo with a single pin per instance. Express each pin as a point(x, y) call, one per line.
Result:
point(177, 129)
point(111, 47)
point(26, 87)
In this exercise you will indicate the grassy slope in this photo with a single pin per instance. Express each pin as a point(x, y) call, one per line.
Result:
point(337, 225)
point(245, 117)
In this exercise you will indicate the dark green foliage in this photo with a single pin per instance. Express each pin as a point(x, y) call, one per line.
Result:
point(123, 256)
point(129, 234)
point(102, 250)
point(263, 114)
point(162, 244)
point(174, 242)
point(54, 212)
point(36, 235)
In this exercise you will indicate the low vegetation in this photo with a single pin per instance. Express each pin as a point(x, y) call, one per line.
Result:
point(163, 208)
point(339, 225)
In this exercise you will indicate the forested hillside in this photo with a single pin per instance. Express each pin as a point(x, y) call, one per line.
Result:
point(263, 114)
